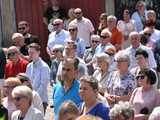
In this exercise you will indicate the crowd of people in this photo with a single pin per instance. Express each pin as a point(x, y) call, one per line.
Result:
point(107, 73)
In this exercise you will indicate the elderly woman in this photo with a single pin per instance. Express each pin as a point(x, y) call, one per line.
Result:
point(102, 73)
point(89, 93)
point(140, 15)
point(89, 53)
point(68, 111)
point(121, 82)
point(8, 102)
point(122, 111)
point(145, 98)
point(37, 102)
point(22, 96)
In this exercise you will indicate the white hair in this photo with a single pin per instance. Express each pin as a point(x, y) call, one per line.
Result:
point(104, 57)
point(95, 37)
point(122, 108)
point(16, 35)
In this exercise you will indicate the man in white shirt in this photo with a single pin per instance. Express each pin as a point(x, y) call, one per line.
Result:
point(85, 26)
point(58, 36)
point(134, 37)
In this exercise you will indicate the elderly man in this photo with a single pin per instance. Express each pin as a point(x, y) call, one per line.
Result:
point(73, 31)
point(68, 87)
point(85, 26)
point(117, 37)
point(105, 41)
point(23, 28)
point(38, 72)
point(16, 63)
point(58, 36)
point(135, 44)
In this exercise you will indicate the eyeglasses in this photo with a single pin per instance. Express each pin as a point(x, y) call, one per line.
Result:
point(55, 51)
point(19, 98)
point(104, 37)
point(110, 54)
point(72, 30)
point(94, 41)
point(57, 24)
point(78, 13)
point(66, 69)
point(21, 28)
point(11, 54)
point(147, 34)
point(140, 77)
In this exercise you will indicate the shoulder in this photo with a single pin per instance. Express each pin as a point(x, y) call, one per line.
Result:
point(24, 61)
point(15, 114)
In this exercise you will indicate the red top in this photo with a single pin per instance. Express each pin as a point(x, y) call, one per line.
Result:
point(11, 69)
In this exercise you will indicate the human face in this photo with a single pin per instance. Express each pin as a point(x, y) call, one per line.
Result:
point(142, 80)
point(126, 15)
point(94, 43)
point(19, 41)
point(111, 23)
point(23, 28)
point(141, 7)
point(135, 40)
point(57, 25)
point(72, 31)
point(78, 13)
point(8, 89)
point(86, 91)
point(21, 102)
point(122, 65)
point(68, 71)
point(105, 38)
point(33, 53)
point(141, 60)
point(12, 55)
point(102, 64)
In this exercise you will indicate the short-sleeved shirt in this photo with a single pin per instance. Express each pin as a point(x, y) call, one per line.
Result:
point(85, 27)
point(120, 85)
point(99, 110)
point(60, 95)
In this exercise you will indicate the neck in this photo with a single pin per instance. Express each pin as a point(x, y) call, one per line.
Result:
point(73, 37)
point(90, 103)
point(36, 59)
point(146, 88)
point(68, 84)
point(23, 112)
point(16, 61)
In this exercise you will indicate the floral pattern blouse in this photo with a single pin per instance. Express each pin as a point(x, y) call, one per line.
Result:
point(120, 85)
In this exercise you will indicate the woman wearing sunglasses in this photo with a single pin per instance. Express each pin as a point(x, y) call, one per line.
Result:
point(22, 96)
point(145, 98)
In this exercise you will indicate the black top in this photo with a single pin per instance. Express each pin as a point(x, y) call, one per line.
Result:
point(50, 13)
point(2, 63)
point(31, 39)
point(3, 113)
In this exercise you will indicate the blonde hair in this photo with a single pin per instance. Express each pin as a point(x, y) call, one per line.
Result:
point(12, 81)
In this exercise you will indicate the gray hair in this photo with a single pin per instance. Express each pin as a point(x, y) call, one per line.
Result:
point(95, 37)
point(104, 57)
point(112, 17)
point(122, 56)
point(22, 90)
point(17, 35)
point(122, 108)
point(140, 2)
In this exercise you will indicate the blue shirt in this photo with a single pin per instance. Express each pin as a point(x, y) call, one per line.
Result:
point(39, 74)
point(81, 46)
point(60, 95)
point(100, 110)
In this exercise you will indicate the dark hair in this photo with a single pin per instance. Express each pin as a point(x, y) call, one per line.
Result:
point(92, 81)
point(22, 77)
point(151, 75)
point(141, 52)
point(36, 46)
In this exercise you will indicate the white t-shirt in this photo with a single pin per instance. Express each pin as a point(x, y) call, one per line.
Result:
point(85, 27)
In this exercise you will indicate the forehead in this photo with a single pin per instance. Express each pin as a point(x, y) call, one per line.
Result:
point(67, 64)
point(77, 10)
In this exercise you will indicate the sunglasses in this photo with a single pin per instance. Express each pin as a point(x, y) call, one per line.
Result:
point(18, 98)
point(21, 28)
point(110, 54)
point(55, 51)
point(56, 24)
point(11, 54)
point(66, 69)
point(140, 77)
point(147, 34)
point(72, 30)
point(104, 37)
point(78, 12)
point(94, 41)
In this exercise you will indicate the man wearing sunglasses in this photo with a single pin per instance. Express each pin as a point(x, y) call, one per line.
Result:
point(85, 26)
point(16, 64)
point(57, 36)
point(23, 28)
